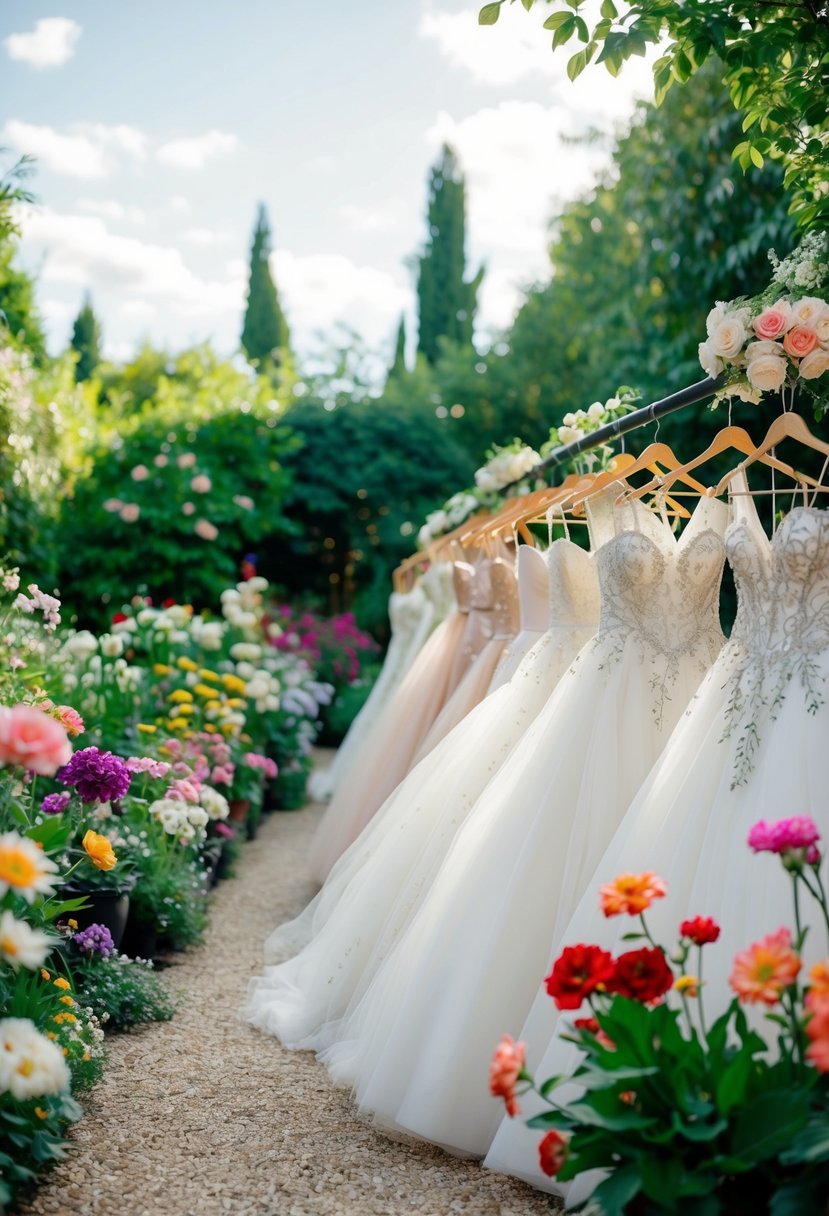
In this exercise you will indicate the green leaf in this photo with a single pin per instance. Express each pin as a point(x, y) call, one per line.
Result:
point(769, 1124)
point(614, 1194)
point(557, 19)
point(732, 1086)
point(609, 9)
point(582, 31)
point(576, 64)
point(490, 13)
point(527, 4)
point(600, 1078)
point(661, 1176)
point(756, 156)
point(812, 1144)
point(803, 1195)
point(565, 31)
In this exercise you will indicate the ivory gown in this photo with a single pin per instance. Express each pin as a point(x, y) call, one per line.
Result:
point(412, 615)
point(388, 750)
point(345, 932)
point(753, 745)
point(417, 1046)
point(534, 613)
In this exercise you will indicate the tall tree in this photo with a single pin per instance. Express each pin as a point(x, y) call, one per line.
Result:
point(265, 337)
point(86, 341)
point(446, 301)
point(398, 367)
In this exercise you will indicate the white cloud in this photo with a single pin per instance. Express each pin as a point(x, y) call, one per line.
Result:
point(89, 150)
point(515, 48)
point(371, 219)
point(195, 151)
point(179, 205)
point(207, 238)
point(137, 310)
point(49, 45)
point(111, 209)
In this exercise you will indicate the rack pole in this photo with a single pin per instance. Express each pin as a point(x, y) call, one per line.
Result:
point(629, 422)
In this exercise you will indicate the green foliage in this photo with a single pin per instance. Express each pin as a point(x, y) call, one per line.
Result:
point(774, 60)
point(446, 301)
point(265, 338)
point(398, 367)
point(120, 991)
point(86, 341)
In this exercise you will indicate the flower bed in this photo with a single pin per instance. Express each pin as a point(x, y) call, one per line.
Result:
point(130, 764)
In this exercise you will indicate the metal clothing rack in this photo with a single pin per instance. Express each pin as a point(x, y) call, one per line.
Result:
point(628, 422)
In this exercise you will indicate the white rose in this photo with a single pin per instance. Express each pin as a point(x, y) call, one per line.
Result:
point(767, 372)
point(814, 364)
point(31, 1065)
point(596, 411)
point(821, 328)
point(112, 645)
point(808, 311)
point(709, 362)
point(755, 349)
point(568, 434)
point(715, 318)
point(728, 337)
point(744, 391)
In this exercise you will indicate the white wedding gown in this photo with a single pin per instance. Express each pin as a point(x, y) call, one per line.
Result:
point(753, 745)
point(417, 1047)
point(346, 931)
point(535, 615)
point(412, 615)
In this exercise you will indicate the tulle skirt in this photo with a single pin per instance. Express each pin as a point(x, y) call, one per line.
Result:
point(470, 692)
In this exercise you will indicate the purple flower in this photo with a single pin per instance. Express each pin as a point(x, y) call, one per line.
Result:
point(97, 776)
point(96, 939)
point(55, 804)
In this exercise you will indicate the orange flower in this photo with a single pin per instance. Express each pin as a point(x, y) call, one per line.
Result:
point(60, 982)
point(687, 985)
point(817, 1030)
point(631, 893)
point(503, 1072)
point(819, 978)
point(100, 851)
point(762, 972)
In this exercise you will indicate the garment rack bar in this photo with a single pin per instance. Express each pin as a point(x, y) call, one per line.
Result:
point(691, 395)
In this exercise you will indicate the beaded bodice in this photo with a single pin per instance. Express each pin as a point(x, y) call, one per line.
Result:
point(533, 589)
point(781, 634)
point(573, 587)
point(504, 602)
point(406, 610)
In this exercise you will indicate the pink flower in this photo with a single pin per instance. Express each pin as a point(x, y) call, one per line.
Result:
point(761, 973)
point(504, 1070)
point(799, 341)
point(785, 835)
point(112, 505)
point(186, 460)
point(201, 484)
point(31, 738)
point(130, 512)
point(773, 321)
point(183, 790)
point(160, 461)
point(206, 530)
point(140, 473)
point(222, 774)
point(69, 719)
point(243, 501)
point(146, 764)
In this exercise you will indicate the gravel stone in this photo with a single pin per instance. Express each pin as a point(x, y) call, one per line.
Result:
point(204, 1115)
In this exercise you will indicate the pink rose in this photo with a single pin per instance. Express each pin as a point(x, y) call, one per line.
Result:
point(33, 739)
point(773, 321)
point(799, 341)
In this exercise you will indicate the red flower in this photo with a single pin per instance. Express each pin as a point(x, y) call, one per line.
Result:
point(591, 1026)
point(119, 617)
point(168, 603)
point(578, 971)
point(552, 1153)
point(701, 930)
point(642, 975)
point(504, 1071)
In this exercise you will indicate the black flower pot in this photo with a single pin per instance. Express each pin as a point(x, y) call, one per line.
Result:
point(104, 906)
point(140, 937)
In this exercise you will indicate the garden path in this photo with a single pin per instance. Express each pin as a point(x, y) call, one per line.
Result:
point(203, 1115)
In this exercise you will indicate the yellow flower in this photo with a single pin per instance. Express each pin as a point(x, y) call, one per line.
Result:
point(206, 674)
point(212, 707)
point(86, 1057)
point(72, 923)
point(687, 985)
point(186, 709)
point(146, 728)
point(66, 1000)
point(41, 1113)
point(60, 982)
point(100, 850)
point(46, 975)
point(180, 695)
point(50, 1034)
point(186, 664)
point(209, 728)
point(161, 669)
point(204, 690)
point(228, 728)
point(178, 724)
point(64, 1016)
point(237, 703)
point(187, 734)
point(233, 683)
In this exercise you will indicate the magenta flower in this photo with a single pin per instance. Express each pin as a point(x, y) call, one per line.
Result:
point(55, 804)
point(786, 836)
point(97, 776)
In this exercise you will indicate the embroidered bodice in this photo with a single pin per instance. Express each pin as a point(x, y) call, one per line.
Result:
point(573, 586)
point(438, 585)
point(657, 589)
point(781, 634)
point(533, 589)
point(406, 610)
point(504, 604)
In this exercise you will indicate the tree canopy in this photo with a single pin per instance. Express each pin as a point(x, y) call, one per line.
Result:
point(265, 337)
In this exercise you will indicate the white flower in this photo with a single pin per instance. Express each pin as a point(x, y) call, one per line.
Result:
point(211, 635)
point(596, 411)
point(569, 420)
point(24, 868)
point(744, 391)
point(569, 434)
point(112, 645)
point(767, 372)
point(21, 944)
point(755, 349)
point(246, 650)
point(709, 362)
point(146, 616)
point(80, 645)
point(715, 317)
point(728, 336)
point(815, 364)
point(257, 583)
point(198, 816)
point(822, 329)
point(808, 311)
point(214, 803)
point(31, 1065)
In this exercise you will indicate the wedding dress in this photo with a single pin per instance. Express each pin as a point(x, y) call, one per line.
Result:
point(412, 615)
point(346, 931)
point(417, 1047)
point(389, 749)
point(753, 745)
point(533, 583)
point(500, 623)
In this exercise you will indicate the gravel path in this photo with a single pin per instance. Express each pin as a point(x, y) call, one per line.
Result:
point(203, 1115)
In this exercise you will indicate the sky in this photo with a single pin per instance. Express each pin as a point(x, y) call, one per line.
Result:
point(159, 127)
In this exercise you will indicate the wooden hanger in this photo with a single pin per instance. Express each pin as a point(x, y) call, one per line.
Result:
point(654, 456)
point(785, 426)
point(730, 437)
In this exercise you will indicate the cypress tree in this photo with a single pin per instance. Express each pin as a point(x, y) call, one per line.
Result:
point(86, 341)
point(265, 335)
point(398, 367)
point(446, 301)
